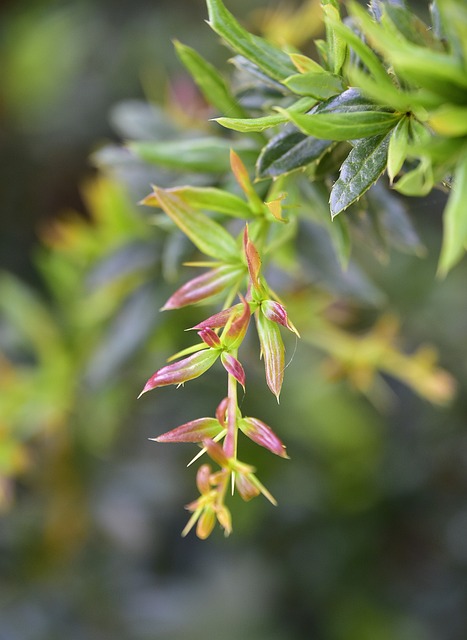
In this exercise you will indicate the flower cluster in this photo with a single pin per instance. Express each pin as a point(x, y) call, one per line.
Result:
point(236, 273)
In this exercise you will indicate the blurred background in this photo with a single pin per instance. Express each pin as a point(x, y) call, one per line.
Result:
point(369, 539)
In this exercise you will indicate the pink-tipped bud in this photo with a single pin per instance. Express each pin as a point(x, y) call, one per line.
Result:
point(210, 337)
point(276, 312)
point(233, 367)
point(272, 349)
point(221, 411)
point(216, 452)
point(235, 332)
point(220, 319)
point(245, 487)
point(253, 259)
point(263, 435)
point(225, 519)
point(179, 372)
point(203, 287)
point(193, 431)
point(202, 479)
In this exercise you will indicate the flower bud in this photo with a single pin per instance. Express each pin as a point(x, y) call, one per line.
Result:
point(263, 435)
point(210, 337)
point(206, 522)
point(275, 312)
point(204, 286)
point(233, 367)
point(272, 349)
point(179, 372)
point(193, 431)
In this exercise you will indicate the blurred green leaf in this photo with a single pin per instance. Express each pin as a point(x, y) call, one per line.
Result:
point(274, 62)
point(455, 220)
point(204, 155)
point(210, 82)
point(318, 85)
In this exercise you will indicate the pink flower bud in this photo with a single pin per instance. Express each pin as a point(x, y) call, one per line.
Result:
point(275, 312)
point(272, 349)
point(222, 410)
point(245, 487)
point(233, 367)
point(179, 372)
point(202, 479)
point(220, 319)
point(193, 431)
point(216, 452)
point(210, 337)
point(253, 259)
point(263, 435)
point(204, 286)
point(235, 332)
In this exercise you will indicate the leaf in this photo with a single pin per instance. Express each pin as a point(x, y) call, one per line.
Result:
point(455, 220)
point(398, 146)
point(362, 167)
point(318, 85)
point(304, 64)
point(210, 199)
point(288, 151)
point(208, 236)
point(274, 62)
point(247, 125)
point(344, 126)
point(193, 431)
point(336, 45)
point(418, 182)
point(204, 155)
point(210, 82)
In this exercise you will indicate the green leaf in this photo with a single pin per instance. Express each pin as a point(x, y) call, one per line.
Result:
point(398, 146)
point(209, 198)
point(344, 126)
point(210, 82)
point(362, 167)
point(418, 182)
point(208, 236)
point(455, 220)
point(274, 62)
point(205, 155)
point(433, 70)
point(288, 151)
point(318, 85)
point(248, 125)
point(336, 45)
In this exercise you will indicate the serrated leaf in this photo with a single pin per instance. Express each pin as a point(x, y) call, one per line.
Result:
point(205, 155)
point(398, 146)
point(344, 126)
point(206, 234)
point(210, 82)
point(210, 199)
point(288, 151)
point(362, 167)
point(274, 62)
point(318, 85)
point(455, 220)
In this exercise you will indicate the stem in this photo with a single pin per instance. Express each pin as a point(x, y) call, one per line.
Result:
point(230, 442)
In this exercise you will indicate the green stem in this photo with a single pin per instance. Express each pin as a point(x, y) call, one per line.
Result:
point(230, 442)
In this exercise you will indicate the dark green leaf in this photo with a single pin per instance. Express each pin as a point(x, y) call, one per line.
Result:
point(287, 151)
point(344, 126)
point(363, 166)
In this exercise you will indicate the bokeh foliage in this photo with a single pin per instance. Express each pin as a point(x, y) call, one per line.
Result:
point(373, 500)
